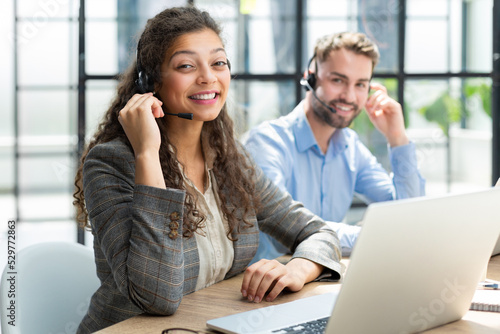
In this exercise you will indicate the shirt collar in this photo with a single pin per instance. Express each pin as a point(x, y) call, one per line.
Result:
point(209, 154)
point(339, 140)
point(302, 130)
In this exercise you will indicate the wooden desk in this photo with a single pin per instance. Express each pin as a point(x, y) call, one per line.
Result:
point(224, 298)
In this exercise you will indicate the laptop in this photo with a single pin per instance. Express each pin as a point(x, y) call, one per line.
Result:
point(416, 265)
point(496, 250)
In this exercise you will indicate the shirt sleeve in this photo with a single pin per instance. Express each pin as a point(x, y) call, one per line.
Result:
point(270, 153)
point(373, 182)
point(136, 227)
point(406, 176)
point(306, 234)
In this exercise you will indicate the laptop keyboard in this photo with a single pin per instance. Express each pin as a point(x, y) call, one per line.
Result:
point(317, 326)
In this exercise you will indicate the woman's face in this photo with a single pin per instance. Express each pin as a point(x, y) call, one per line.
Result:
point(195, 76)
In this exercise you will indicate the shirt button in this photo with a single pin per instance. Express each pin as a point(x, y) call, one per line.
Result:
point(219, 253)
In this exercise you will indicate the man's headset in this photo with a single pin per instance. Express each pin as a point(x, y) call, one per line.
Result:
point(309, 83)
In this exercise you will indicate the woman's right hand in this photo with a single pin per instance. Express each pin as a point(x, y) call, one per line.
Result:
point(138, 121)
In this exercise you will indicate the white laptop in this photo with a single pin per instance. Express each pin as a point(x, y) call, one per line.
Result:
point(415, 266)
point(496, 250)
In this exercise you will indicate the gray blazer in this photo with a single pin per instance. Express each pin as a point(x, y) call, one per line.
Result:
point(145, 266)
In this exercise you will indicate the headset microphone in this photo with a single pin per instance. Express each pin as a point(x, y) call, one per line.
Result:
point(180, 115)
point(305, 82)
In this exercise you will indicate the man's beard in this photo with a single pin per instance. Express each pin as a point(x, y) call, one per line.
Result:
point(333, 119)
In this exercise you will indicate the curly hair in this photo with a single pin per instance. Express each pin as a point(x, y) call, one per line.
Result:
point(232, 169)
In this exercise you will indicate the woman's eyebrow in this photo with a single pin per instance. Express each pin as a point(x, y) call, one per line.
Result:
point(189, 52)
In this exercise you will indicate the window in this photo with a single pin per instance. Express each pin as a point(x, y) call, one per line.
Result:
point(436, 60)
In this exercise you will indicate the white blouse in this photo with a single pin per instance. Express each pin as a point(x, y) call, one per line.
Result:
point(215, 250)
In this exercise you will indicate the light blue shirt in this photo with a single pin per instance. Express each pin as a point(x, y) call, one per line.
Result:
point(286, 150)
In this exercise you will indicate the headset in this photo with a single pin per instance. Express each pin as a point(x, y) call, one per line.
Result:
point(145, 83)
point(309, 83)
point(309, 80)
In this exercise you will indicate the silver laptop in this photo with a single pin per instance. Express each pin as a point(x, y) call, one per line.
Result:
point(415, 266)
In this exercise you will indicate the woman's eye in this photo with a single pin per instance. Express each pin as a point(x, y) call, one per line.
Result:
point(220, 63)
point(184, 66)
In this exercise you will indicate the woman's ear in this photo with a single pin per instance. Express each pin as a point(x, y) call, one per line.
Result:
point(157, 87)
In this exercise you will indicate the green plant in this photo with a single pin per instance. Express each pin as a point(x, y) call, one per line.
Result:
point(446, 109)
point(483, 90)
point(443, 111)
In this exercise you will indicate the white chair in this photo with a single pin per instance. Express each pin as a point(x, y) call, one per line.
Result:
point(54, 283)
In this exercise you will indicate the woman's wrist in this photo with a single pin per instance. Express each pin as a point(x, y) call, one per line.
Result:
point(308, 269)
point(148, 170)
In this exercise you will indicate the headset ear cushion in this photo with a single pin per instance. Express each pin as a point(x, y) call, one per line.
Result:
point(311, 79)
point(144, 83)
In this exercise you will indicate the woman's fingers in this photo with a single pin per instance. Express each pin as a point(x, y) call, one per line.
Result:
point(261, 277)
point(138, 121)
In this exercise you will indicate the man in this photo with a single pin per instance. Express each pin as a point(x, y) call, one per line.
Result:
point(311, 152)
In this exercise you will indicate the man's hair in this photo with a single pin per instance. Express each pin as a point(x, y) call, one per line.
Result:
point(352, 41)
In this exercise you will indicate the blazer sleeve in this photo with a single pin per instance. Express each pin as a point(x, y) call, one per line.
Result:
point(132, 224)
point(289, 222)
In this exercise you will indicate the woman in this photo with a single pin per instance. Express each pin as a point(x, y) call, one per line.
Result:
point(175, 204)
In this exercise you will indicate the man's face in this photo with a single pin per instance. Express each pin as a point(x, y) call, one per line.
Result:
point(343, 81)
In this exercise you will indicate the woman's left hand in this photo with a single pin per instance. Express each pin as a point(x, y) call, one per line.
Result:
point(271, 277)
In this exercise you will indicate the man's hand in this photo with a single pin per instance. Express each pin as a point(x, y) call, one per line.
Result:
point(386, 115)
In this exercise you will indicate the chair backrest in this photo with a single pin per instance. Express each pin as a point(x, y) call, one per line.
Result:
point(51, 288)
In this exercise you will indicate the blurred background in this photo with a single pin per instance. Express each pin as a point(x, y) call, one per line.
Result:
point(59, 60)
